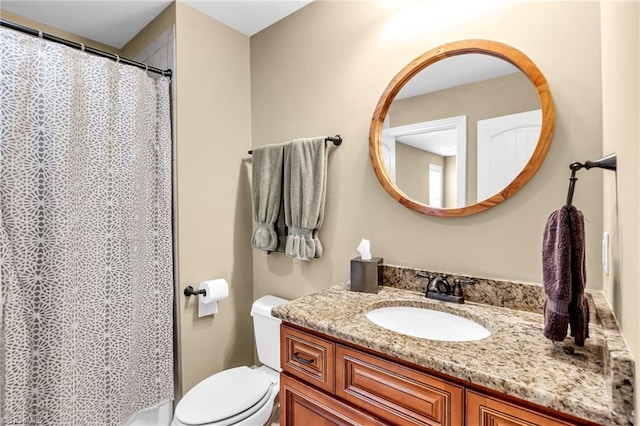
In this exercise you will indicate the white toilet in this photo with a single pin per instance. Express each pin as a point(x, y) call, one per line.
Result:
point(241, 395)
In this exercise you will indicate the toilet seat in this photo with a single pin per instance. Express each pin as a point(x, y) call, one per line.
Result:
point(225, 398)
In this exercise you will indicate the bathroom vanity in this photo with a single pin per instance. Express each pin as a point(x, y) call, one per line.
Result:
point(341, 368)
point(360, 382)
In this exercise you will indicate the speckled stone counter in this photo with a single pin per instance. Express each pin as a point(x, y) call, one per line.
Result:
point(593, 382)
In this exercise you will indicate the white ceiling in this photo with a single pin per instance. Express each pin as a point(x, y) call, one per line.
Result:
point(455, 71)
point(247, 17)
point(115, 22)
point(441, 142)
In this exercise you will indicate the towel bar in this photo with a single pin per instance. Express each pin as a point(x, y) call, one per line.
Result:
point(610, 162)
point(337, 141)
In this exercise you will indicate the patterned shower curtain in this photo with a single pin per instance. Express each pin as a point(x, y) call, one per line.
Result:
point(86, 296)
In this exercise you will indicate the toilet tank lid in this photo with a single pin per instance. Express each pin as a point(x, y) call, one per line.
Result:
point(263, 305)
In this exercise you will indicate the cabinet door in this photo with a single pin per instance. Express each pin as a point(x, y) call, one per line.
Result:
point(397, 394)
point(483, 410)
point(302, 405)
point(307, 357)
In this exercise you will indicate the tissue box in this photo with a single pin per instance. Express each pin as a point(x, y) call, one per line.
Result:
point(366, 275)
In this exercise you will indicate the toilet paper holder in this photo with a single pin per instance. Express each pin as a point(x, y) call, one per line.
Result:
point(210, 292)
point(190, 291)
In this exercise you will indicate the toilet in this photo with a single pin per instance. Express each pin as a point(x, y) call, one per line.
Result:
point(241, 395)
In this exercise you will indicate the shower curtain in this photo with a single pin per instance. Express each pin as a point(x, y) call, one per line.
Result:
point(86, 294)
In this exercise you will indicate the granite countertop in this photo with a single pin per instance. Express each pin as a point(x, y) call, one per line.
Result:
point(594, 382)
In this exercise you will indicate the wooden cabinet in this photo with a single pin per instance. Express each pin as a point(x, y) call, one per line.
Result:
point(308, 357)
point(364, 388)
point(326, 381)
point(484, 410)
point(396, 393)
point(302, 405)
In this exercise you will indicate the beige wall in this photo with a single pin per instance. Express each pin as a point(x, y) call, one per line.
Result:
point(322, 71)
point(490, 98)
point(214, 204)
point(412, 170)
point(621, 134)
point(55, 31)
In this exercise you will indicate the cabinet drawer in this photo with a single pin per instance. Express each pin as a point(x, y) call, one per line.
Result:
point(483, 410)
point(395, 393)
point(303, 405)
point(308, 357)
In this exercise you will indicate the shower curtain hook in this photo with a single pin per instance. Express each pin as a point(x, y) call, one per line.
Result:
point(117, 59)
point(146, 67)
point(82, 46)
point(40, 34)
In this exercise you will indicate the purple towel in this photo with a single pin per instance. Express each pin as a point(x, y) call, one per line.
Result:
point(564, 276)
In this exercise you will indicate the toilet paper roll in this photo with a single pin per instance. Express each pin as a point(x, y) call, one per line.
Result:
point(215, 290)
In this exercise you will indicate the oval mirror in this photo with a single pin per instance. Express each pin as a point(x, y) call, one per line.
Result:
point(461, 128)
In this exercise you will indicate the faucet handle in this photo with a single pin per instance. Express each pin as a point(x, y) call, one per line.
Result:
point(457, 288)
point(431, 282)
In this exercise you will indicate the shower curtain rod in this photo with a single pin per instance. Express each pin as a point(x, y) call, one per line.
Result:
point(80, 46)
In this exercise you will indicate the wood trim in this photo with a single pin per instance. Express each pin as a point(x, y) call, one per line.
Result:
point(487, 47)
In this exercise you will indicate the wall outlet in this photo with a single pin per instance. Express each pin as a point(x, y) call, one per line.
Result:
point(605, 252)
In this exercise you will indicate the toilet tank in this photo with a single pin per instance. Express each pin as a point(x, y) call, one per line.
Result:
point(267, 330)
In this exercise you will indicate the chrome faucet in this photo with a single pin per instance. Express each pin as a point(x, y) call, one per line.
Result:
point(439, 287)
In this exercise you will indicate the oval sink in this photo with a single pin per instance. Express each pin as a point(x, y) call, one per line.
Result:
point(428, 324)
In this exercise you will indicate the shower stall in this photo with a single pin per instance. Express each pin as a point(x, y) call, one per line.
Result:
point(86, 242)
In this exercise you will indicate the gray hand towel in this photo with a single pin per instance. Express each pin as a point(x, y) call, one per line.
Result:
point(305, 183)
point(266, 193)
point(564, 276)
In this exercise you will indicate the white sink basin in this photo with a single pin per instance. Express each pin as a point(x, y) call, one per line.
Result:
point(428, 324)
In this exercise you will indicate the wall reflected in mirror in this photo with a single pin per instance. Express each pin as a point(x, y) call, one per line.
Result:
point(461, 130)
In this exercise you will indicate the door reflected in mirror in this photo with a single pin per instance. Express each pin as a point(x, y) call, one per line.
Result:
point(461, 130)
point(458, 81)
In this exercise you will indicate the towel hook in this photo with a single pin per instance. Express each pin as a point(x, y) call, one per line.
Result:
point(609, 162)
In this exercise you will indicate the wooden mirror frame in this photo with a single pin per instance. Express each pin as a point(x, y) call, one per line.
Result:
point(487, 47)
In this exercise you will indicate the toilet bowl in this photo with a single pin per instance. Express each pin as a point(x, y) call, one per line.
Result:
point(238, 396)
point(242, 395)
